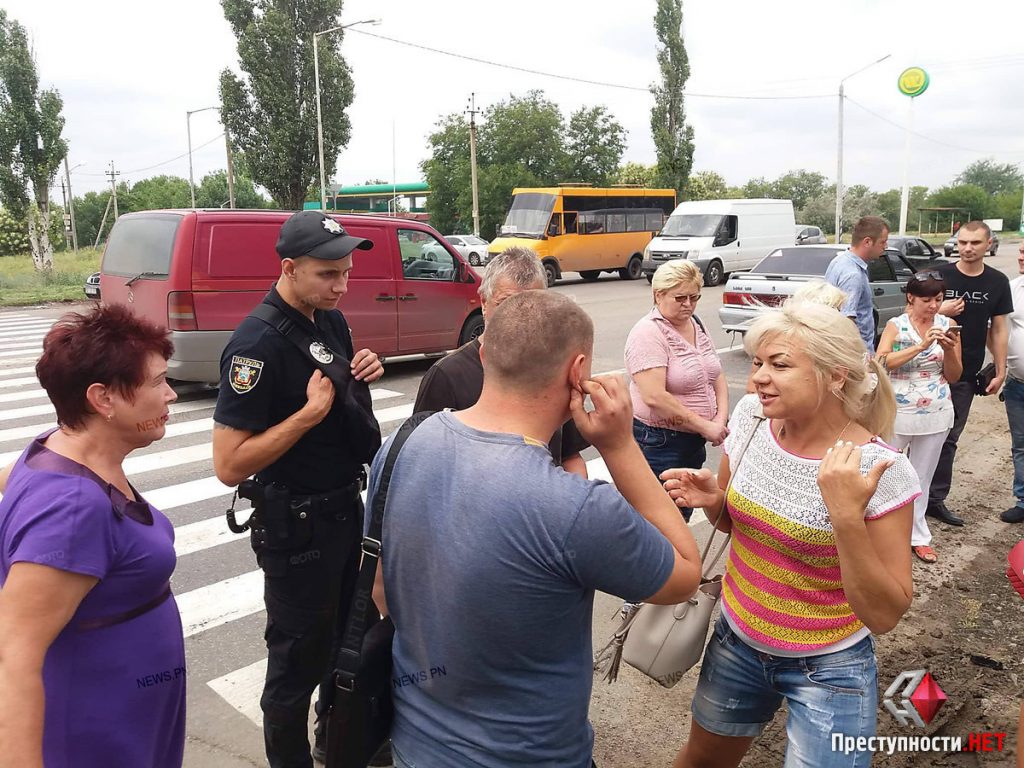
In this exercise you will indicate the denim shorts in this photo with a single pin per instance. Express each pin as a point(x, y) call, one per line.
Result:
point(741, 688)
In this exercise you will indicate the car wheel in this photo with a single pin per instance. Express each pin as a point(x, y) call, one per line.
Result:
point(474, 259)
point(650, 277)
point(590, 275)
point(714, 274)
point(550, 272)
point(472, 329)
point(633, 268)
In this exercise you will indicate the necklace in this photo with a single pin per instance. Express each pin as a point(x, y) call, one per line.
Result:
point(782, 431)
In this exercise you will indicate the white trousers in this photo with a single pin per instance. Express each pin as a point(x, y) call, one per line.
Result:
point(923, 452)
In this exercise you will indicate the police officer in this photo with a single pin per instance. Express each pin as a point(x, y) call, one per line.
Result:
point(294, 410)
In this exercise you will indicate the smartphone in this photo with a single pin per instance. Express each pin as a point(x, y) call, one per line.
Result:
point(953, 329)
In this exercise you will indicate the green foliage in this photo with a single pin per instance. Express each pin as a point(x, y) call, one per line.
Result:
point(889, 206)
point(975, 201)
point(522, 142)
point(594, 143)
point(153, 193)
point(88, 214)
point(21, 283)
point(212, 192)
point(705, 185)
point(1006, 206)
point(673, 138)
point(992, 177)
point(271, 114)
point(637, 173)
point(799, 186)
point(31, 147)
point(13, 234)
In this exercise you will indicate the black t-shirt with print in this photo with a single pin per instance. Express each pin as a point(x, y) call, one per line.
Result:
point(985, 296)
point(456, 380)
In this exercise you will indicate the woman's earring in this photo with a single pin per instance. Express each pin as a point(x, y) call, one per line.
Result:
point(110, 416)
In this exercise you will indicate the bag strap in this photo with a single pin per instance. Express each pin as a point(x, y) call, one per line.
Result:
point(363, 611)
point(709, 564)
point(335, 370)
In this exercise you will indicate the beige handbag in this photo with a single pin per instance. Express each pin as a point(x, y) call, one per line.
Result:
point(666, 641)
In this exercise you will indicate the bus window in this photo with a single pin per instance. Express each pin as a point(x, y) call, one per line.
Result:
point(591, 223)
point(616, 222)
point(555, 225)
point(635, 222)
point(655, 221)
point(528, 215)
point(569, 220)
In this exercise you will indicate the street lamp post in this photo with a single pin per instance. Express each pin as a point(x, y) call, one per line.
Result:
point(71, 202)
point(319, 114)
point(839, 153)
point(188, 126)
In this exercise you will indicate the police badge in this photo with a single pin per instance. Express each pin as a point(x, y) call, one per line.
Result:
point(321, 353)
point(245, 373)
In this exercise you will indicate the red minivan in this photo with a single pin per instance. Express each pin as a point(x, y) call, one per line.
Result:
point(199, 272)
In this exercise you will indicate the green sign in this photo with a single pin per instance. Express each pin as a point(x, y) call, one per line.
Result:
point(913, 82)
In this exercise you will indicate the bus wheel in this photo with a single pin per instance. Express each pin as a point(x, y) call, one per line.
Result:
point(590, 275)
point(550, 272)
point(472, 329)
point(714, 274)
point(632, 269)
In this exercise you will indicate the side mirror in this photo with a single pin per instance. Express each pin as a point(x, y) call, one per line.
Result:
point(465, 273)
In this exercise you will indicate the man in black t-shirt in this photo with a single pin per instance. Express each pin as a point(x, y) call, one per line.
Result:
point(455, 381)
point(978, 297)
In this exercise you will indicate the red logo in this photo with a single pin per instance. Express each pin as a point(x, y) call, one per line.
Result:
point(914, 697)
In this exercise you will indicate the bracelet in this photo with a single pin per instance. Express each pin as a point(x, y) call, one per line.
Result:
point(881, 360)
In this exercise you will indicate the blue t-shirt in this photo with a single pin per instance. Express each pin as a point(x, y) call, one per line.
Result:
point(849, 273)
point(491, 557)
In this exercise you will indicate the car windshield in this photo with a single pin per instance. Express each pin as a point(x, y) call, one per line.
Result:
point(796, 261)
point(692, 225)
point(529, 214)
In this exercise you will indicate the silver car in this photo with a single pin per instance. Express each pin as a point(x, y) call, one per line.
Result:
point(807, 235)
point(472, 248)
point(777, 276)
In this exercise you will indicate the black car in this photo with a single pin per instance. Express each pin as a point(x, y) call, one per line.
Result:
point(92, 286)
point(917, 252)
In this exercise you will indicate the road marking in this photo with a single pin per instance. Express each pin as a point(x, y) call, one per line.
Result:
point(27, 333)
point(733, 348)
point(183, 494)
point(222, 602)
point(19, 382)
point(23, 353)
point(17, 371)
point(205, 534)
point(242, 689)
point(47, 410)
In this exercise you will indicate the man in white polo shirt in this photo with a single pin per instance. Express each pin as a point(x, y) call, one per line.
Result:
point(1013, 392)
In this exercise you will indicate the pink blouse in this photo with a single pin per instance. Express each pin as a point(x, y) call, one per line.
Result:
point(690, 371)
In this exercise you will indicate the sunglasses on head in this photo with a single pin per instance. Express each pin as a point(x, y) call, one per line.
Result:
point(929, 275)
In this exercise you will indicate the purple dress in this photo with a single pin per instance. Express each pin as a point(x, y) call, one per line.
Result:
point(115, 675)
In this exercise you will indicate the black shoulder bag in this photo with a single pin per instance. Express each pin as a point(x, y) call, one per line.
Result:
point(359, 421)
point(361, 710)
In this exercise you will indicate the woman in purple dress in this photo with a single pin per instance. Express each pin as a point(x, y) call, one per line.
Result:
point(92, 658)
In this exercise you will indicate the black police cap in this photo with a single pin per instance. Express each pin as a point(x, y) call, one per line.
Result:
point(312, 233)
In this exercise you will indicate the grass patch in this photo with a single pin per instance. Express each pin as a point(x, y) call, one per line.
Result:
point(21, 284)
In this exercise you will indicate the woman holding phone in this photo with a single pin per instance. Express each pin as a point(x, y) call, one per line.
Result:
point(921, 351)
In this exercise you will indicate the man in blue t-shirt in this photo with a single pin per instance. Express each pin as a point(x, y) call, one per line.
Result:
point(849, 273)
point(492, 553)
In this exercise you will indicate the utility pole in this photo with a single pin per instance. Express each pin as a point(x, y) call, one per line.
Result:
point(71, 204)
point(113, 185)
point(472, 163)
point(231, 168)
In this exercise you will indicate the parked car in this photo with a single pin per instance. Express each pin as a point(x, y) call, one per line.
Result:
point(918, 252)
point(806, 235)
point(92, 286)
point(199, 273)
point(777, 276)
point(952, 249)
point(472, 248)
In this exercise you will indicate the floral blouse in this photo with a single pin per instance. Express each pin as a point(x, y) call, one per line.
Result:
point(923, 406)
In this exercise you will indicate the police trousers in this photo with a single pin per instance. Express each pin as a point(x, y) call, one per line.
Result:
point(307, 591)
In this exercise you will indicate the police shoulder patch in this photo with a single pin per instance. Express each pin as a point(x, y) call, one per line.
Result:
point(245, 373)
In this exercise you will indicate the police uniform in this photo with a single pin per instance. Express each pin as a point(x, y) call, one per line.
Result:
point(308, 523)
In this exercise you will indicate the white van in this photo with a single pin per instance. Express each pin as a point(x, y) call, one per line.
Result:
point(721, 236)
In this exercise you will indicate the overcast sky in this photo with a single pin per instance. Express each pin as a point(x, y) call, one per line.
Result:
point(128, 70)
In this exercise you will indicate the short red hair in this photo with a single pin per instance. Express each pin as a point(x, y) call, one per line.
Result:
point(108, 345)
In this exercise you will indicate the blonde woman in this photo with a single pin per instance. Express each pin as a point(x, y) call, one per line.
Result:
point(680, 397)
point(820, 512)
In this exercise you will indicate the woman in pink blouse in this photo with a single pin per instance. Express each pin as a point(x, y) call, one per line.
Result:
point(680, 397)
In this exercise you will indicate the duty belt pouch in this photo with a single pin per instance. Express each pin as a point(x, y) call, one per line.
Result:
point(358, 420)
point(361, 709)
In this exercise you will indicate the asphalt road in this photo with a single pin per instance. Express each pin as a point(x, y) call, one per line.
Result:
point(218, 588)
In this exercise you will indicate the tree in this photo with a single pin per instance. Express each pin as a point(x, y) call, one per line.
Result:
point(705, 185)
point(594, 142)
point(31, 147)
point(212, 192)
point(89, 210)
point(637, 173)
point(156, 192)
point(527, 131)
point(973, 201)
point(889, 205)
point(1006, 206)
point(992, 176)
point(820, 211)
point(272, 113)
point(759, 188)
point(673, 138)
point(799, 186)
point(447, 173)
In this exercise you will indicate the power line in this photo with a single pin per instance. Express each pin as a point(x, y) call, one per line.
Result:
point(165, 162)
point(621, 86)
point(929, 138)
